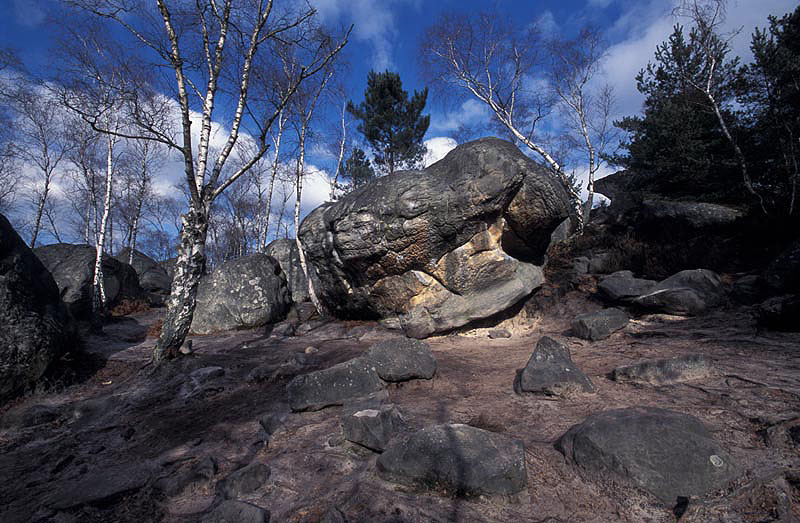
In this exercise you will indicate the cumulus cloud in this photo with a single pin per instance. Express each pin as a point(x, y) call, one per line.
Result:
point(374, 21)
point(471, 112)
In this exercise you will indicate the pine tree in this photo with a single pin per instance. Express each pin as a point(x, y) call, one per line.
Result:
point(392, 124)
point(358, 168)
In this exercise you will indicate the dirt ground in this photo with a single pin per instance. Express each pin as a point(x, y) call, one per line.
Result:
point(119, 444)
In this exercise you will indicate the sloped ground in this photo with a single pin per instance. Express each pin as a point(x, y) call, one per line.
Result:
point(120, 445)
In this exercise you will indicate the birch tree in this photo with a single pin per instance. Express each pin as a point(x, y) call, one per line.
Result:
point(713, 47)
point(498, 64)
point(587, 108)
point(211, 47)
point(144, 158)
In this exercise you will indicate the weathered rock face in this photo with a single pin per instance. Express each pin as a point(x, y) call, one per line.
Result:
point(152, 276)
point(402, 359)
point(551, 371)
point(666, 453)
point(72, 266)
point(436, 249)
point(337, 385)
point(243, 293)
point(286, 253)
point(373, 428)
point(690, 292)
point(35, 327)
point(689, 215)
point(463, 460)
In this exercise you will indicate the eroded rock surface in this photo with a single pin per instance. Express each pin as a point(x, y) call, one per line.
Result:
point(551, 371)
point(286, 253)
point(35, 327)
point(664, 371)
point(153, 278)
point(336, 385)
point(245, 292)
point(461, 459)
point(622, 286)
point(402, 359)
point(666, 453)
point(373, 428)
point(687, 293)
point(437, 249)
point(72, 267)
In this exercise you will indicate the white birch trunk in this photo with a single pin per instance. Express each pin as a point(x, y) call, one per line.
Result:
point(268, 205)
point(99, 294)
point(299, 193)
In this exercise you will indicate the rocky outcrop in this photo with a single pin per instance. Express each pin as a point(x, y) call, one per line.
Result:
point(72, 267)
point(687, 293)
point(462, 460)
point(152, 276)
point(35, 327)
point(622, 286)
point(432, 250)
point(243, 293)
point(286, 253)
point(666, 453)
point(599, 325)
point(551, 371)
point(688, 215)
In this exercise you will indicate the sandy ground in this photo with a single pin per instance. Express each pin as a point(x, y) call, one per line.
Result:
point(131, 432)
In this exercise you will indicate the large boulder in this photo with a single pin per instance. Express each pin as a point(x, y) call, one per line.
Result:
point(460, 459)
point(242, 293)
point(436, 249)
point(688, 293)
point(551, 371)
point(599, 325)
point(681, 215)
point(286, 253)
point(35, 327)
point(152, 276)
point(337, 385)
point(72, 267)
point(666, 453)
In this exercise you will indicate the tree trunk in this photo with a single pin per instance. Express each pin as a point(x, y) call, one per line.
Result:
point(300, 166)
point(268, 207)
point(189, 268)
point(39, 211)
point(99, 294)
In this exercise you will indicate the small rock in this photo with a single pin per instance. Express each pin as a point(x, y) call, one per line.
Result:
point(621, 286)
point(334, 386)
point(499, 333)
point(244, 480)
point(401, 359)
point(333, 515)
point(198, 381)
point(580, 265)
point(665, 371)
point(272, 422)
point(666, 453)
point(464, 460)
point(602, 263)
point(230, 511)
point(283, 329)
point(186, 348)
point(260, 373)
point(311, 350)
point(599, 325)
point(373, 428)
point(551, 371)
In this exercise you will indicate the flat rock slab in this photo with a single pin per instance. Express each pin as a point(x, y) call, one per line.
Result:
point(599, 325)
point(337, 385)
point(551, 371)
point(373, 428)
point(101, 484)
point(402, 359)
point(687, 293)
point(459, 459)
point(622, 286)
point(244, 480)
point(666, 453)
point(665, 371)
point(230, 511)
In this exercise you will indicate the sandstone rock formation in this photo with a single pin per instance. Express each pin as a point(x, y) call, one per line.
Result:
point(72, 266)
point(35, 327)
point(245, 292)
point(436, 249)
point(152, 276)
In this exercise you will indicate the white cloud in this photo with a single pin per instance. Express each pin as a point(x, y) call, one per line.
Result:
point(471, 112)
point(546, 23)
point(438, 147)
point(373, 22)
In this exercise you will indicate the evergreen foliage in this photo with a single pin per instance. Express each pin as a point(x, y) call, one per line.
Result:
point(358, 169)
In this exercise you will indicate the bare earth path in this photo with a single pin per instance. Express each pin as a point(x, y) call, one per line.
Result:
point(122, 445)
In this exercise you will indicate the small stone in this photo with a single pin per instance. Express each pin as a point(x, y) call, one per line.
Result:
point(551, 371)
point(499, 333)
point(401, 359)
point(665, 371)
point(230, 511)
point(336, 385)
point(186, 348)
point(272, 422)
point(311, 350)
point(599, 325)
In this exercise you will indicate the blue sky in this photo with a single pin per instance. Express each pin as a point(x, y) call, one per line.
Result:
point(386, 35)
